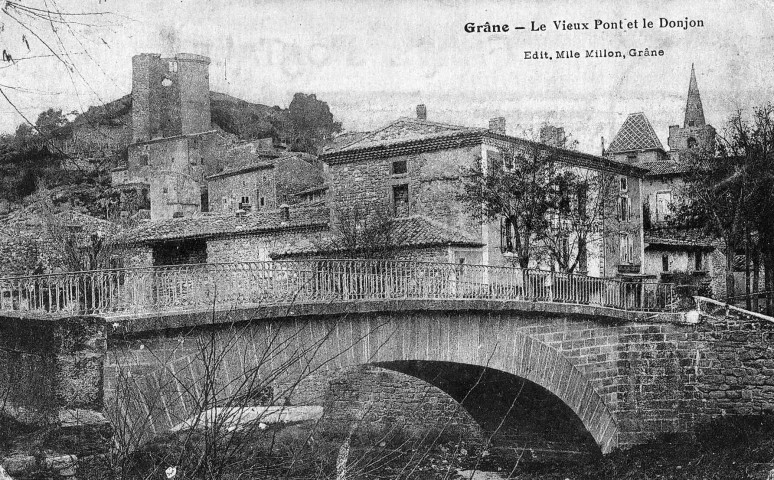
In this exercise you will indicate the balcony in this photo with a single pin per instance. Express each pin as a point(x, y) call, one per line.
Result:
point(629, 268)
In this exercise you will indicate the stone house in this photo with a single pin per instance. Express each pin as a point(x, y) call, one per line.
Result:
point(413, 167)
point(671, 251)
point(221, 237)
point(266, 181)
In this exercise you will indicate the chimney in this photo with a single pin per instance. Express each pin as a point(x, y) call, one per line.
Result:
point(421, 112)
point(285, 212)
point(497, 125)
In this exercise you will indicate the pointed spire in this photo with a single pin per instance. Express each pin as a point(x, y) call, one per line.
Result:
point(694, 112)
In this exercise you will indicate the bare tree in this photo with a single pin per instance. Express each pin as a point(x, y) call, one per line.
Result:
point(360, 232)
point(517, 189)
point(581, 200)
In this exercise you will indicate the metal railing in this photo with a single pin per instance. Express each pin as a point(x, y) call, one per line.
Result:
point(206, 286)
point(762, 302)
point(726, 311)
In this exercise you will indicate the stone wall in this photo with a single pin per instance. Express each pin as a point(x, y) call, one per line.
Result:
point(170, 96)
point(257, 248)
point(432, 179)
point(225, 192)
point(136, 256)
point(703, 135)
point(47, 367)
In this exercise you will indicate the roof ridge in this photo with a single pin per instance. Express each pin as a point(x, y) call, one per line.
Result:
point(370, 136)
point(440, 124)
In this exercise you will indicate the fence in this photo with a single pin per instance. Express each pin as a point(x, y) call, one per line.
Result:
point(206, 286)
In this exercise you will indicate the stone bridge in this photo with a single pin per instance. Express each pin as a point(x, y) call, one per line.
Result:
point(146, 350)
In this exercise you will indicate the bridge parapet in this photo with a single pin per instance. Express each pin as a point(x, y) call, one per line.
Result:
point(184, 288)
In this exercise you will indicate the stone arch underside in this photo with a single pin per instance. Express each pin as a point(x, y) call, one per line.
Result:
point(158, 378)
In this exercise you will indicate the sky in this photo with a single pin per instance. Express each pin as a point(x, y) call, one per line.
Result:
point(375, 61)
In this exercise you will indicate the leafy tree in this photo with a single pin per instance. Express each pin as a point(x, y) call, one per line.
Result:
point(753, 143)
point(717, 189)
point(49, 121)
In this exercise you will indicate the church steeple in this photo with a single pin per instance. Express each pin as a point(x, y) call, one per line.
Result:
point(694, 113)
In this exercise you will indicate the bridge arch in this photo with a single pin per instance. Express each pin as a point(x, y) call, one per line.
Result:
point(166, 362)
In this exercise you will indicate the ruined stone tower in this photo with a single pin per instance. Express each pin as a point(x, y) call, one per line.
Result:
point(172, 140)
point(695, 133)
point(170, 96)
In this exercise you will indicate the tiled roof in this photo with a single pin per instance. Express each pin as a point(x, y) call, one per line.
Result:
point(406, 130)
point(410, 136)
point(394, 149)
point(636, 133)
point(407, 232)
point(665, 167)
point(681, 237)
point(209, 225)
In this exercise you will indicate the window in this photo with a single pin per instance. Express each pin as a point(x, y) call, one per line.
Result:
point(245, 204)
point(245, 199)
point(624, 184)
point(172, 66)
point(564, 247)
point(144, 160)
point(400, 199)
point(204, 201)
point(698, 262)
point(665, 263)
point(626, 251)
point(691, 142)
point(494, 160)
point(509, 161)
point(262, 202)
point(506, 235)
point(164, 190)
point(624, 209)
point(690, 123)
point(663, 206)
point(399, 167)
